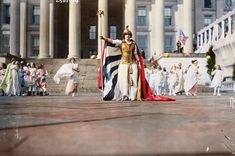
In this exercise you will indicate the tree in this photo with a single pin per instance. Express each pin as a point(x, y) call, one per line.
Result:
point(211, 60)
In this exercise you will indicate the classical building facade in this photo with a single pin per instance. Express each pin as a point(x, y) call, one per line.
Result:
point(70, 28)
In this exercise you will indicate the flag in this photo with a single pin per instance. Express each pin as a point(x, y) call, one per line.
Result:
point(109, 71)
point(182, 37)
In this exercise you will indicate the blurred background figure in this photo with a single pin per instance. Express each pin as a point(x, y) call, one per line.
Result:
point(217, 80)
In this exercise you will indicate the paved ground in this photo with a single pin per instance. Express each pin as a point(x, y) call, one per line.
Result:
point(85, 125)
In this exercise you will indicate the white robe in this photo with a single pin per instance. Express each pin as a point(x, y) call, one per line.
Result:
point(173, 79)
point(180, 85)
point(191, 78)
point(152, 79)
point(13, 88)
point(64, 71)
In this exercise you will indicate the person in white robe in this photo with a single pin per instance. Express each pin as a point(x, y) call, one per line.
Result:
point(173, 80)
point(180, 85)
point(158, 81)
point(70, 71)
point(191, 79)
point(165, 78)
point(10, 82)
point(152, 78)
point(147, 73)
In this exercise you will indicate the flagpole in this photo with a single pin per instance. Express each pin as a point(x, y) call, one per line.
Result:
point(100, 13)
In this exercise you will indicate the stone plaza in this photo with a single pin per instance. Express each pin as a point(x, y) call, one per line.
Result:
point(86, 125)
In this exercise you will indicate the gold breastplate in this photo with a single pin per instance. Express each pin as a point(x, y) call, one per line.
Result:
point(127, 53)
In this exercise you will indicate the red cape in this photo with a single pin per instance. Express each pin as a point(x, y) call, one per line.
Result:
point(146, 91)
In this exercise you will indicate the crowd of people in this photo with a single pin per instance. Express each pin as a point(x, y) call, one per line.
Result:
point(179, 80)
point(21, 79)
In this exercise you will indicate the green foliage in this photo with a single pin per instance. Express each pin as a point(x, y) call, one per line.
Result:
point(211, 60)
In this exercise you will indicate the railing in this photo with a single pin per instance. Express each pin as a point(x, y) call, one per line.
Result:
point(228, 86)
point(216, 30)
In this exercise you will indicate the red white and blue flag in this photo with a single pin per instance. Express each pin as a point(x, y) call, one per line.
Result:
point(182, 37)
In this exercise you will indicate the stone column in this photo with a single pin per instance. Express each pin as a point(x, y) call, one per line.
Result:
point(23, 21)
point(158, 28)
point(188, 25)
point(15, 28)
point(219, 8)
point(44, 29)
point(130, 15)
point(74, 29)
point(102, 24)
point(51, 28)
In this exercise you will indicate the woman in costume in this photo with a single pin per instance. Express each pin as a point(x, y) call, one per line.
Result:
point(69, 71)
point(128, 82)
point(173, 80)
point(191, 79)
point(180, 85)
point(128, 67)
point(10, 82)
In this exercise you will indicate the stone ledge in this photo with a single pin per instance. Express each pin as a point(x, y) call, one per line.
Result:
point(166, 55)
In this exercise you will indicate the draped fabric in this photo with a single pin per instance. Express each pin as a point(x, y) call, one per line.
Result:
point(108, 73)
point(64, 71)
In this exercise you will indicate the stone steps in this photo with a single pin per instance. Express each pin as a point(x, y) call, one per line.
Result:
point(88, 76)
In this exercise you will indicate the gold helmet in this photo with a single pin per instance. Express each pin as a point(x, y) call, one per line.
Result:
point(126, 32)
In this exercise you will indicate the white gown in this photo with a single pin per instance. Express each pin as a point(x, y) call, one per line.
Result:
point(217, 79)
point(191, 78)
point(13, 88)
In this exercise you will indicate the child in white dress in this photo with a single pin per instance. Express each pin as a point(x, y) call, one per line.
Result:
point(158, 81)
point(165, 81)
point(152, 78)
point(32, 81)
point(217, 80)
point(173, 81)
